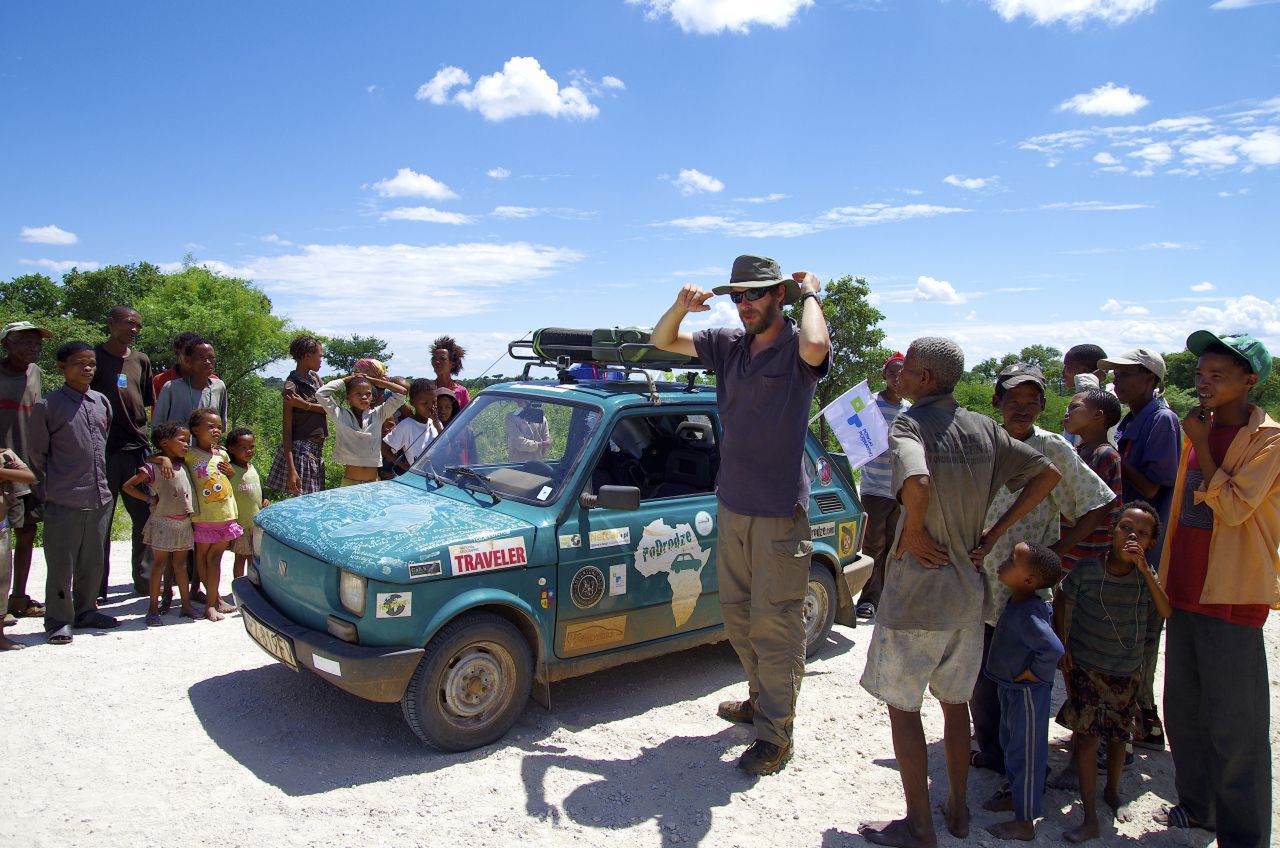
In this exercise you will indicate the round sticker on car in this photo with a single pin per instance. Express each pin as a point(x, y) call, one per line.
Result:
point(587, 587)
point(824, 469)
point(702, 523)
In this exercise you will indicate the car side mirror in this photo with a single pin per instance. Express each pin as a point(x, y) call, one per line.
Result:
point(611, 497)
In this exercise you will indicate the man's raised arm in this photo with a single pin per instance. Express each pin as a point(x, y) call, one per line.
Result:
point(666, 334)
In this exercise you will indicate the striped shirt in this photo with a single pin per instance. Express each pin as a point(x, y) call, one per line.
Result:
point(1104, 460)
point(1108, 619)
point(877, 475)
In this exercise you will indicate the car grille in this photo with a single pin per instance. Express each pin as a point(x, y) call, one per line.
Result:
point(829, 502)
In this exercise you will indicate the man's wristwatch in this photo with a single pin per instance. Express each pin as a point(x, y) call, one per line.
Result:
point(811, 294)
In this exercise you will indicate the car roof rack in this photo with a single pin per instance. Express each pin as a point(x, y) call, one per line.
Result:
point(628, 358)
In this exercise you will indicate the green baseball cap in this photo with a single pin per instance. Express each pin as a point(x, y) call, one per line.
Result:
point(1243, 345)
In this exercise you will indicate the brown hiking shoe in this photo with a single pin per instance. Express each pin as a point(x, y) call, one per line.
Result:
point(763, 758)
point(741, 712)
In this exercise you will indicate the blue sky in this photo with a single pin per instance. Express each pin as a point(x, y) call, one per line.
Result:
point(1004, 172)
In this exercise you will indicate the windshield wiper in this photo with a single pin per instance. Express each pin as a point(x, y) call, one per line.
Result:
point(430, 471)
point(466, 473)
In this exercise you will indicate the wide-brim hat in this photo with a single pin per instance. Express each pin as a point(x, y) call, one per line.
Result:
point(757, 272)
point(1243, 345)
point(23, 326)
point(1148, 359)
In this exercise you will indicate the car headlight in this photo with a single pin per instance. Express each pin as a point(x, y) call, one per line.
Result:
point(351, 592)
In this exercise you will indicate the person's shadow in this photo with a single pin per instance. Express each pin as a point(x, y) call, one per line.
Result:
point(679, 783)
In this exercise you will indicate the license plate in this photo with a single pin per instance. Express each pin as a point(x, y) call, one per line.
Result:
point(272, 642)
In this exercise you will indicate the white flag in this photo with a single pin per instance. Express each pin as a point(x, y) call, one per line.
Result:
point(858, 424)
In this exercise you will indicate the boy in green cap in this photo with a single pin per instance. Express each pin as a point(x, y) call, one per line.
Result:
point(1222, 574)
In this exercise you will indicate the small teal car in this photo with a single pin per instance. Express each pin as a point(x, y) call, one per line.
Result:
point(485, 574)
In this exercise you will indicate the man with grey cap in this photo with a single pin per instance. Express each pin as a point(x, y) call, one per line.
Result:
point(1149, 439)
point(766, 373)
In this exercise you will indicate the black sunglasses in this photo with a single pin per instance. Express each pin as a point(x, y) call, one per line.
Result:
point(750, 294)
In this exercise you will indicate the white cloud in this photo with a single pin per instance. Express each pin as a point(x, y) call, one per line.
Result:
point(1262, 148)
point(1170, 245)
point(970, 183)
point(1109, 99)
point(692, 181)
point(1105, 159)
point(1095, 206)
point(425, 214)
point(1219, 150)
point(936, 291)
point(773, 197)
point(1248, 314)
point(446, 79)
point(498, 173)
point(516, 211)
point(722, 314)
point(521, 88)
point(272, 238)
point(1206, 286)
point(51, 234)
point(708, 17)
point(320, 281)
point(840, 217)
point(61, 266)
point(612, 82)
point(1074, 13)
point(409, 183)
point(1225, 5)
point(1158, 153)
point(1115, 307)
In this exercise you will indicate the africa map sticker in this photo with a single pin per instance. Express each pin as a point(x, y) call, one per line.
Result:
point(674, 551)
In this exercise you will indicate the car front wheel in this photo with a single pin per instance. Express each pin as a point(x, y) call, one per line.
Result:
point(471, 685)
point(820, 602)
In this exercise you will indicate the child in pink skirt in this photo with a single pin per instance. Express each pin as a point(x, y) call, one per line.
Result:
point(214, 525)
point(168, 530)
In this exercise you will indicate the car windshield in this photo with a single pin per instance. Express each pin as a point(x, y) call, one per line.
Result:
point(521, 447)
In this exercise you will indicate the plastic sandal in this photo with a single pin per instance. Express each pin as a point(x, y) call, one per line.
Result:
point(154, 621)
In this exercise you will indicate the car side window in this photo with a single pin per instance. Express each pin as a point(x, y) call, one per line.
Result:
point(664, 455)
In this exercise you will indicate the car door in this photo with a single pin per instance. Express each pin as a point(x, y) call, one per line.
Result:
point(628, 577)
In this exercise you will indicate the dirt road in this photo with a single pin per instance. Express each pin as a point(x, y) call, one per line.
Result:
point(189, 735)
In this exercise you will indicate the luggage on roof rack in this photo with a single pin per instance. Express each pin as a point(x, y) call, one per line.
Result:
point(605, 345)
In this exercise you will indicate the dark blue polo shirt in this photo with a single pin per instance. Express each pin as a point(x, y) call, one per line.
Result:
point(1151, 442)
point(765, 401)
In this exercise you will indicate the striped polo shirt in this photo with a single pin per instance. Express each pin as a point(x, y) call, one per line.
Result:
point(877, 475)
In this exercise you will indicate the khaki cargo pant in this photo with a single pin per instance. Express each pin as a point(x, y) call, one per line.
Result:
point(762, 565)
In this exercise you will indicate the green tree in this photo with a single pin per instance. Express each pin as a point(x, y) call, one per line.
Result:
point(31, 294)
point(856, 350)
point(90, 295)
point(341, 353)
point(232, 313)
point(1180, 370)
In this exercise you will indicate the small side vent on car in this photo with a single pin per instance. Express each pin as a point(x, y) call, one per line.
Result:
point(829, 502)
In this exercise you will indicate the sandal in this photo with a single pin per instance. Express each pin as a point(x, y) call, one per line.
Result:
point(23, 607)
point(978, 760)
point(154, 621)
point(1177, 816)
point(61, 636)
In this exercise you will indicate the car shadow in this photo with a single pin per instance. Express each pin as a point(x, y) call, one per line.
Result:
point(305, 736)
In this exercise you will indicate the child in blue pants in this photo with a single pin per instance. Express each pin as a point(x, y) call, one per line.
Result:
point(1024, 654)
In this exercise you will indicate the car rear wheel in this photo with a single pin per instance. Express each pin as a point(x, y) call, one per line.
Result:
point(471, 684)
point(820, 602)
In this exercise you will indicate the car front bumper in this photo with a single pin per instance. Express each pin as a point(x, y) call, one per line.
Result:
point(373, 673)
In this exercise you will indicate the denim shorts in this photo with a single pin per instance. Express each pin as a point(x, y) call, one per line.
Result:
point(901, 664)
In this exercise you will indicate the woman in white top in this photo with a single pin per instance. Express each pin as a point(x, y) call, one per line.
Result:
point(357, 432)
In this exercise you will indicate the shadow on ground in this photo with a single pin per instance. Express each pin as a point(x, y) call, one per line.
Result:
point(304, 736)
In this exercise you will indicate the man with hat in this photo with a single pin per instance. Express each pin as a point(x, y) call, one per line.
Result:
point(20, 388)
point(1148, 439)
point(1222, 574)
point(766, 374)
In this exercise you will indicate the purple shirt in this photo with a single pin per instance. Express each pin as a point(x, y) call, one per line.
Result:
point(67, 443)
point(765, 401)
point(1151, 442)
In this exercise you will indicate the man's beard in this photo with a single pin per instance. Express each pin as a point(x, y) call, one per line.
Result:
point(767, 312)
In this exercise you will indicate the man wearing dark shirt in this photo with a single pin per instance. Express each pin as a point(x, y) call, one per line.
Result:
point(20, 388)
point(766, 374)
point(67, 440)
point(124, 378)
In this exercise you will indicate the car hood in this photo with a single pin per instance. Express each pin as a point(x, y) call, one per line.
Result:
point(380, 529)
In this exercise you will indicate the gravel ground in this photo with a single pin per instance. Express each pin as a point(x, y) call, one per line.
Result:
point(191, 735)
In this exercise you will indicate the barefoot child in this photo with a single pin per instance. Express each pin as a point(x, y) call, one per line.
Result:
point(214, 525)
point(358, 429)
point(247, 486)
point(1024, 654)
point(412, 435)
point(1108, 597)
point(168, 530)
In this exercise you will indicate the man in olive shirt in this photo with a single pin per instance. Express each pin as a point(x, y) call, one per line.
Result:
point(124, 378)
point(766, 374)
point(948, 465)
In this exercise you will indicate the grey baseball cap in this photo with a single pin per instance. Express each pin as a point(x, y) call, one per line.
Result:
point(1148, 359)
